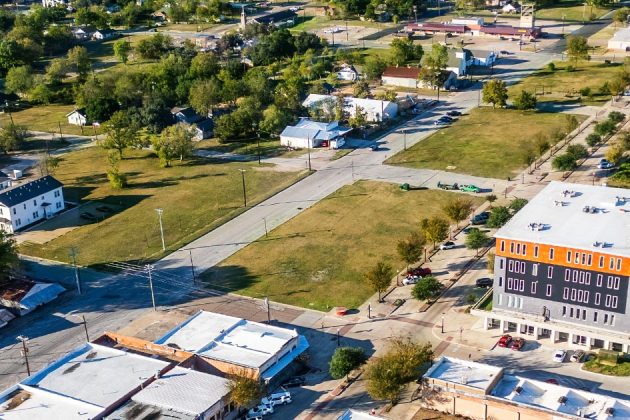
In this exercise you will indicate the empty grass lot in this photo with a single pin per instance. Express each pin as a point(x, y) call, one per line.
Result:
point(317, 259)
point(572, 10)
point(487, 142)
point(563, 86)
point(46, 118)
point(196, 196)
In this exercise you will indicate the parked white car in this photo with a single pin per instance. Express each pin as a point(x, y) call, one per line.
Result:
point(261, 410)
point(279, 398)
point(559, 356)
point(410, 280)
point(447, 245)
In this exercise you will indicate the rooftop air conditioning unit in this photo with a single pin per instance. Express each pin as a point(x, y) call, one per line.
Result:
point(518, 390)
point(562, 400)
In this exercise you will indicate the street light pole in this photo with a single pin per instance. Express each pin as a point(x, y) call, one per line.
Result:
point(442, 326)
point(24, 339)
point(192, 266)
point(159, 212)
point(308, 150)
point(244, 192)
point(265, 222)
point(73, 254)
point(149, 267)
point(338, 331)
point(404, 139)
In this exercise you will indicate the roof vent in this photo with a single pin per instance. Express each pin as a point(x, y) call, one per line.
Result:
point(597, 244)
point(610, 411)
point(518, 390)
point(562, 400)
point(567, 193)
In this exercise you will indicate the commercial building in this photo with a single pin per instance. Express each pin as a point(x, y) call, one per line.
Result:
point(375, 110)
point(562, 268)
point(461, 27)
point(23, 205)
point(23, 296)
point(620, 40)
point(309, 134)
point(229, 343)
point(480, 391)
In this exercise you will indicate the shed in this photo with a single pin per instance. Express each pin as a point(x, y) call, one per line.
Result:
point(77, 117)
point(401, 76)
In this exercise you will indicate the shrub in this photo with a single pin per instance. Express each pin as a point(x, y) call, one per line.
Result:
point(570, 69)
point(605, 127)
point(551, 67)
point(616, 117)
point(593, 139)
point(525, 100)
point(345, 360)
point(564, 162)
point(498, 217)
point(585, 91)
point(577, 151)
point(604, 89)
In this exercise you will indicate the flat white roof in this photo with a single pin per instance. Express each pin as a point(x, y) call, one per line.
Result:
point(472, 374)
point(368, 105)
point(229, 338)
point(622, 35)
point(561, 399)
point(557, 216)
point(38, 404)
point(175, 389)
point(96, 374)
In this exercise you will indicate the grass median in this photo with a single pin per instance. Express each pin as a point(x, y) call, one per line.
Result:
point(487, 142)
point(196, 196)
point(317, 259)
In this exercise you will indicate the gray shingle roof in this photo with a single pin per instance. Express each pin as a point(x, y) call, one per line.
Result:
point(25, 192)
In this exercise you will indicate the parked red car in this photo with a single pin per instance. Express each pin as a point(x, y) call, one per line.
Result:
point(517, 343)
point(419, 271)
point(505, 340)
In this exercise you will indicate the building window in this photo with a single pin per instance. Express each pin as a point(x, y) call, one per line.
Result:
point(587, 278)
point(534, 269)
point(568, 256)
point(601, 261)
point(510, 299)
point(57, 193)
point(510, 265)
point(24, 206)
point(587, 296)
point(577, 257)
point(501, 263)
point(536, 251)
point(605, 318)
point(580, 295)
point(614, 301)
point(34, 202)
point(509, 283)
point(616, 283)
point(612, 319)
point(533, 288)
point(500, 299)
point(595, 316)
point(609, 282)
point(577, 313)
point(607, 301)
point(600, 280)
point(511, 247)
point(18, 222)
point(571, 313)
point(565, 293)
point(612, 263)
point(502, 246)
point(583, 259)
point(14, 210)
point(500, 281)
point(524, 249)
point(598, 297)
point(584, 314)
point(548, 290)
point(575, 276)
point(573, 294)
point(618, 264)
point(551, 253)
point(518, 248)
point(564, 311)
point(521, 285)
point(550, 272)
point(590, 260)
point(58, 204)
point(567, 274)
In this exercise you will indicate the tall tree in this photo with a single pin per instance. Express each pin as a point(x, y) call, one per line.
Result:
point(345, 360)
point(476, 239)
point(495, 93)
point(174, 142)
point(122, 48)
point(205, 95)
point(498, 217)
point(8, 255)
point(80, 61)
point(435, 62)
point(410, 249)
point(458, 209)
point(19, 80)
point(427, 288)
point(11, 137)
point(380, 277)
point(434, 230)
point(245, 390)
point(577, 49)
point(120, 132)
point(404, 50)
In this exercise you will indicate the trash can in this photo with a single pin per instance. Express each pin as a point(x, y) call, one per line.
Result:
point(404, 187)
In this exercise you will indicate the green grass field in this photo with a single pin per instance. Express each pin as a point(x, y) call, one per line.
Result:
point(572, 10)
point(312, 23)
point(318, 258)
point(564, 86)
point(47, 118)
point(487, 142)
point(196, 196)
point(268, 148)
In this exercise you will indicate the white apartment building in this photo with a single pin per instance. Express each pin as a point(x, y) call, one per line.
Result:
point(28, 203)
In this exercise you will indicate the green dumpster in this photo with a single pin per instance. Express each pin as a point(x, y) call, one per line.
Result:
point(404, 187)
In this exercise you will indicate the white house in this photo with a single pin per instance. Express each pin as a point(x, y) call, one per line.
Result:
point(53, 3)
point(375, 110)
point(347, 72)
point(29, 203)
point(308, 134)
point(458, 59)
point(620, 41)
point(203, 129)
point(401, 76)
point(5, 181)
point(510, 8)
point(102, 34)
point(482, 58)
point(77, 117)
point(83, 32)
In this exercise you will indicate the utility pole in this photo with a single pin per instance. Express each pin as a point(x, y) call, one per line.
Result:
point(268, 310)
point(149, 267)
point(192, 266)
point(308, 149)
point(244, 192)
point(404, 139)
point(159, 212)
point(73, 255)
point(84, 322)
point(265, 222)
point(24, 339)
point(60, 132)
point(347, 33)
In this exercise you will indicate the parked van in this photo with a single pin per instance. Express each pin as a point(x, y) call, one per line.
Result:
point(279, 398)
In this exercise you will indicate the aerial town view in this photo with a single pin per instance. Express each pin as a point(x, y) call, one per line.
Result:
point(314, 209)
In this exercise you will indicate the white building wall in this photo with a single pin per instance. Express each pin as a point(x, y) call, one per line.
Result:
point(296, 142)
point(400, 81)
point(618, 45)
point(76, 119)
point(31, 211)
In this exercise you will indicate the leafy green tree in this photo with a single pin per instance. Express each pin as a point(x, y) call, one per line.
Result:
point(577, 49)
point(387, 95)
point(458, 209)
point(476, 239)
point(359, 119)
point(120, 132)
point(403, 363)
point(621, 15)
point(79, 61)
point(117, 180)
point(345, 360)
point(19, 80)
point(623, 140)
point(614, 154)
point(374, 67)
point(174, 142)
point(8, 256)
point(154, 47)
point(495, 93)
point(435, 62)
point(122, 49)
point(361, 89)
point(605, 127)
point(577, 151)
point(305, 41)
point(12, 137)
point(56, 71)
point(426, 288)
point(593, 139)
point(564, 162)
point(380, 277)
point(404, 50)
point(616, 116)
point(525, 100)
point(517, 204)
point(277, 45)
point(275, 120)
point(498, 217)
point(434, 230)
point(410, 249)
point(244, 389)
point(205, 95)
point(204, 66)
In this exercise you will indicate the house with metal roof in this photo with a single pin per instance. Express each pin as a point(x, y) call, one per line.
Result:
point(401, 76)
point(23, 296)
point(308, 134)
point(23, 205)
point(375, 110)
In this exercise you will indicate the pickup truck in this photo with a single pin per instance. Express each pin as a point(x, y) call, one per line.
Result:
point(454, 186)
